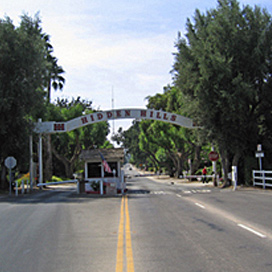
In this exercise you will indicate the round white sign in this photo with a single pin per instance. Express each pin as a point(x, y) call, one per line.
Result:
point(10, 162)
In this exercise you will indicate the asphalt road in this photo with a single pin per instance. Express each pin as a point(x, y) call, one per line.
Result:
point(158, 226)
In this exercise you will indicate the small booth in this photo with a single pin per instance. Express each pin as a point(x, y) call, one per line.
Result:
point(100, 179)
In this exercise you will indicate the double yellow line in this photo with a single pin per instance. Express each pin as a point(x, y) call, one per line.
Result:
point(124, 230)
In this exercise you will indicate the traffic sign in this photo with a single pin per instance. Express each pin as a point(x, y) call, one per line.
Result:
point(213, 156)
point(259, 154)
point(10, 162)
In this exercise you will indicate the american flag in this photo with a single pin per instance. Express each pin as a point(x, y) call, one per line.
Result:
point(105, 164)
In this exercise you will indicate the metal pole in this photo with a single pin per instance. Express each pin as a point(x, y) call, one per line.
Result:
point(263, 178)
point(16, 188)
point(101, 181)
point(101, 187)
point(23, 186)
point(260, 163)
point(234, 177)
point(40, 158)
point(31, 161)
point(214, 169)
point(10, 181)
point(122, 181)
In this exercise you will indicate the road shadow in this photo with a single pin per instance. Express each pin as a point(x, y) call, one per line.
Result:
point(138, 191)
point(54, 196)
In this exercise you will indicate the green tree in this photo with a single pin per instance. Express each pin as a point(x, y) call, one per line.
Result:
point(223, 68)
point(129, 139)
point(22, 68)
point(53, 79)
point(159, 144)
point(179, 144)
point(54, 76)
point(66, 147)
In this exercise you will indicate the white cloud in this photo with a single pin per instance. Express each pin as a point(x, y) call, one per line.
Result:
point(138, 64)
point(122, 44)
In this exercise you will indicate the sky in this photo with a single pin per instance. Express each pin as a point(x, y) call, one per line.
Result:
point(120, 50)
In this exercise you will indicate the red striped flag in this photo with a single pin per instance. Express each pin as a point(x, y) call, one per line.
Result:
point(105, 164)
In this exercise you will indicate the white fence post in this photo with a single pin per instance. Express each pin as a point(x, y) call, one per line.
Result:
point(263, 176)
point(234, 177)
point(16, 188)
point(101, 187)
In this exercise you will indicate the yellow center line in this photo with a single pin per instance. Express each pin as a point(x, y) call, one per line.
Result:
point(130, 263)
point(120, 246)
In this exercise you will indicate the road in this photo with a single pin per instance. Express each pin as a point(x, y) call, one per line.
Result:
point(158, 226)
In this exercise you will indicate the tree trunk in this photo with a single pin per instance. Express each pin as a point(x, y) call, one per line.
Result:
point(3, 181)
point(69, 164)
point(175, 162)
point(225, 165)
point(48, 158)
point(196, 162)
point(178, 168)
point(49, 91)
point(65, 162)
point(235, 161)
point(236, 158)
point(153, 159)
point(180, 165)
point(68, 169)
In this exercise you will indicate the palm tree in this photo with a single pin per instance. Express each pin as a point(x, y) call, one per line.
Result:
point(54, 72)
point(56, 80)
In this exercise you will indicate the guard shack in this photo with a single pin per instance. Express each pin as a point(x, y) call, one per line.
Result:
point(97, 180)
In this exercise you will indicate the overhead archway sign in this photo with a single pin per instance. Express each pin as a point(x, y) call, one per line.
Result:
point(140, 114)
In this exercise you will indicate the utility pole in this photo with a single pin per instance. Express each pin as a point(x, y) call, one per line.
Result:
point(112, 106)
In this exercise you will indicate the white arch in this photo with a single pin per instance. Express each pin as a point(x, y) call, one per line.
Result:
point(144, 114)
point(140, 114)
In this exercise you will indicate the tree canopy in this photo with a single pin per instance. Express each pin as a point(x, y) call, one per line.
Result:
point(222, 80)
point(223, 68)
point(28, 71)
point(67, 146)
point(22, 68)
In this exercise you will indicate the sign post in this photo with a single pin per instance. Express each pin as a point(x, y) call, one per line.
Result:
point(10, 162)
point(234, 176)
point(259, 154)
point(214, 156)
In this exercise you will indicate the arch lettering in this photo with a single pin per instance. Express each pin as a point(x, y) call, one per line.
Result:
point(139, 114)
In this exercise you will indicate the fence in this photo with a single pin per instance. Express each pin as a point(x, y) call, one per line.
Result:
point(262, 177)
point(57, 182)
point(198, 177)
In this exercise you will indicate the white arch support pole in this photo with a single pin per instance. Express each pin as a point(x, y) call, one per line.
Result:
point(31, 162)
point(101, 187)
point(102, 179)
point(40, 157)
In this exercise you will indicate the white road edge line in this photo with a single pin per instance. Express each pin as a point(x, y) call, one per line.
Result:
point(252, 230)
point(199, 205)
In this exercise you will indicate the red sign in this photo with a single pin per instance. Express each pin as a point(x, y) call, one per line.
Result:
point(213, 156)
point(59, 127)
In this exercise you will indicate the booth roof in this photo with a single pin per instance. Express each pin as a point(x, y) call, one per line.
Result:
point(110, 154)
